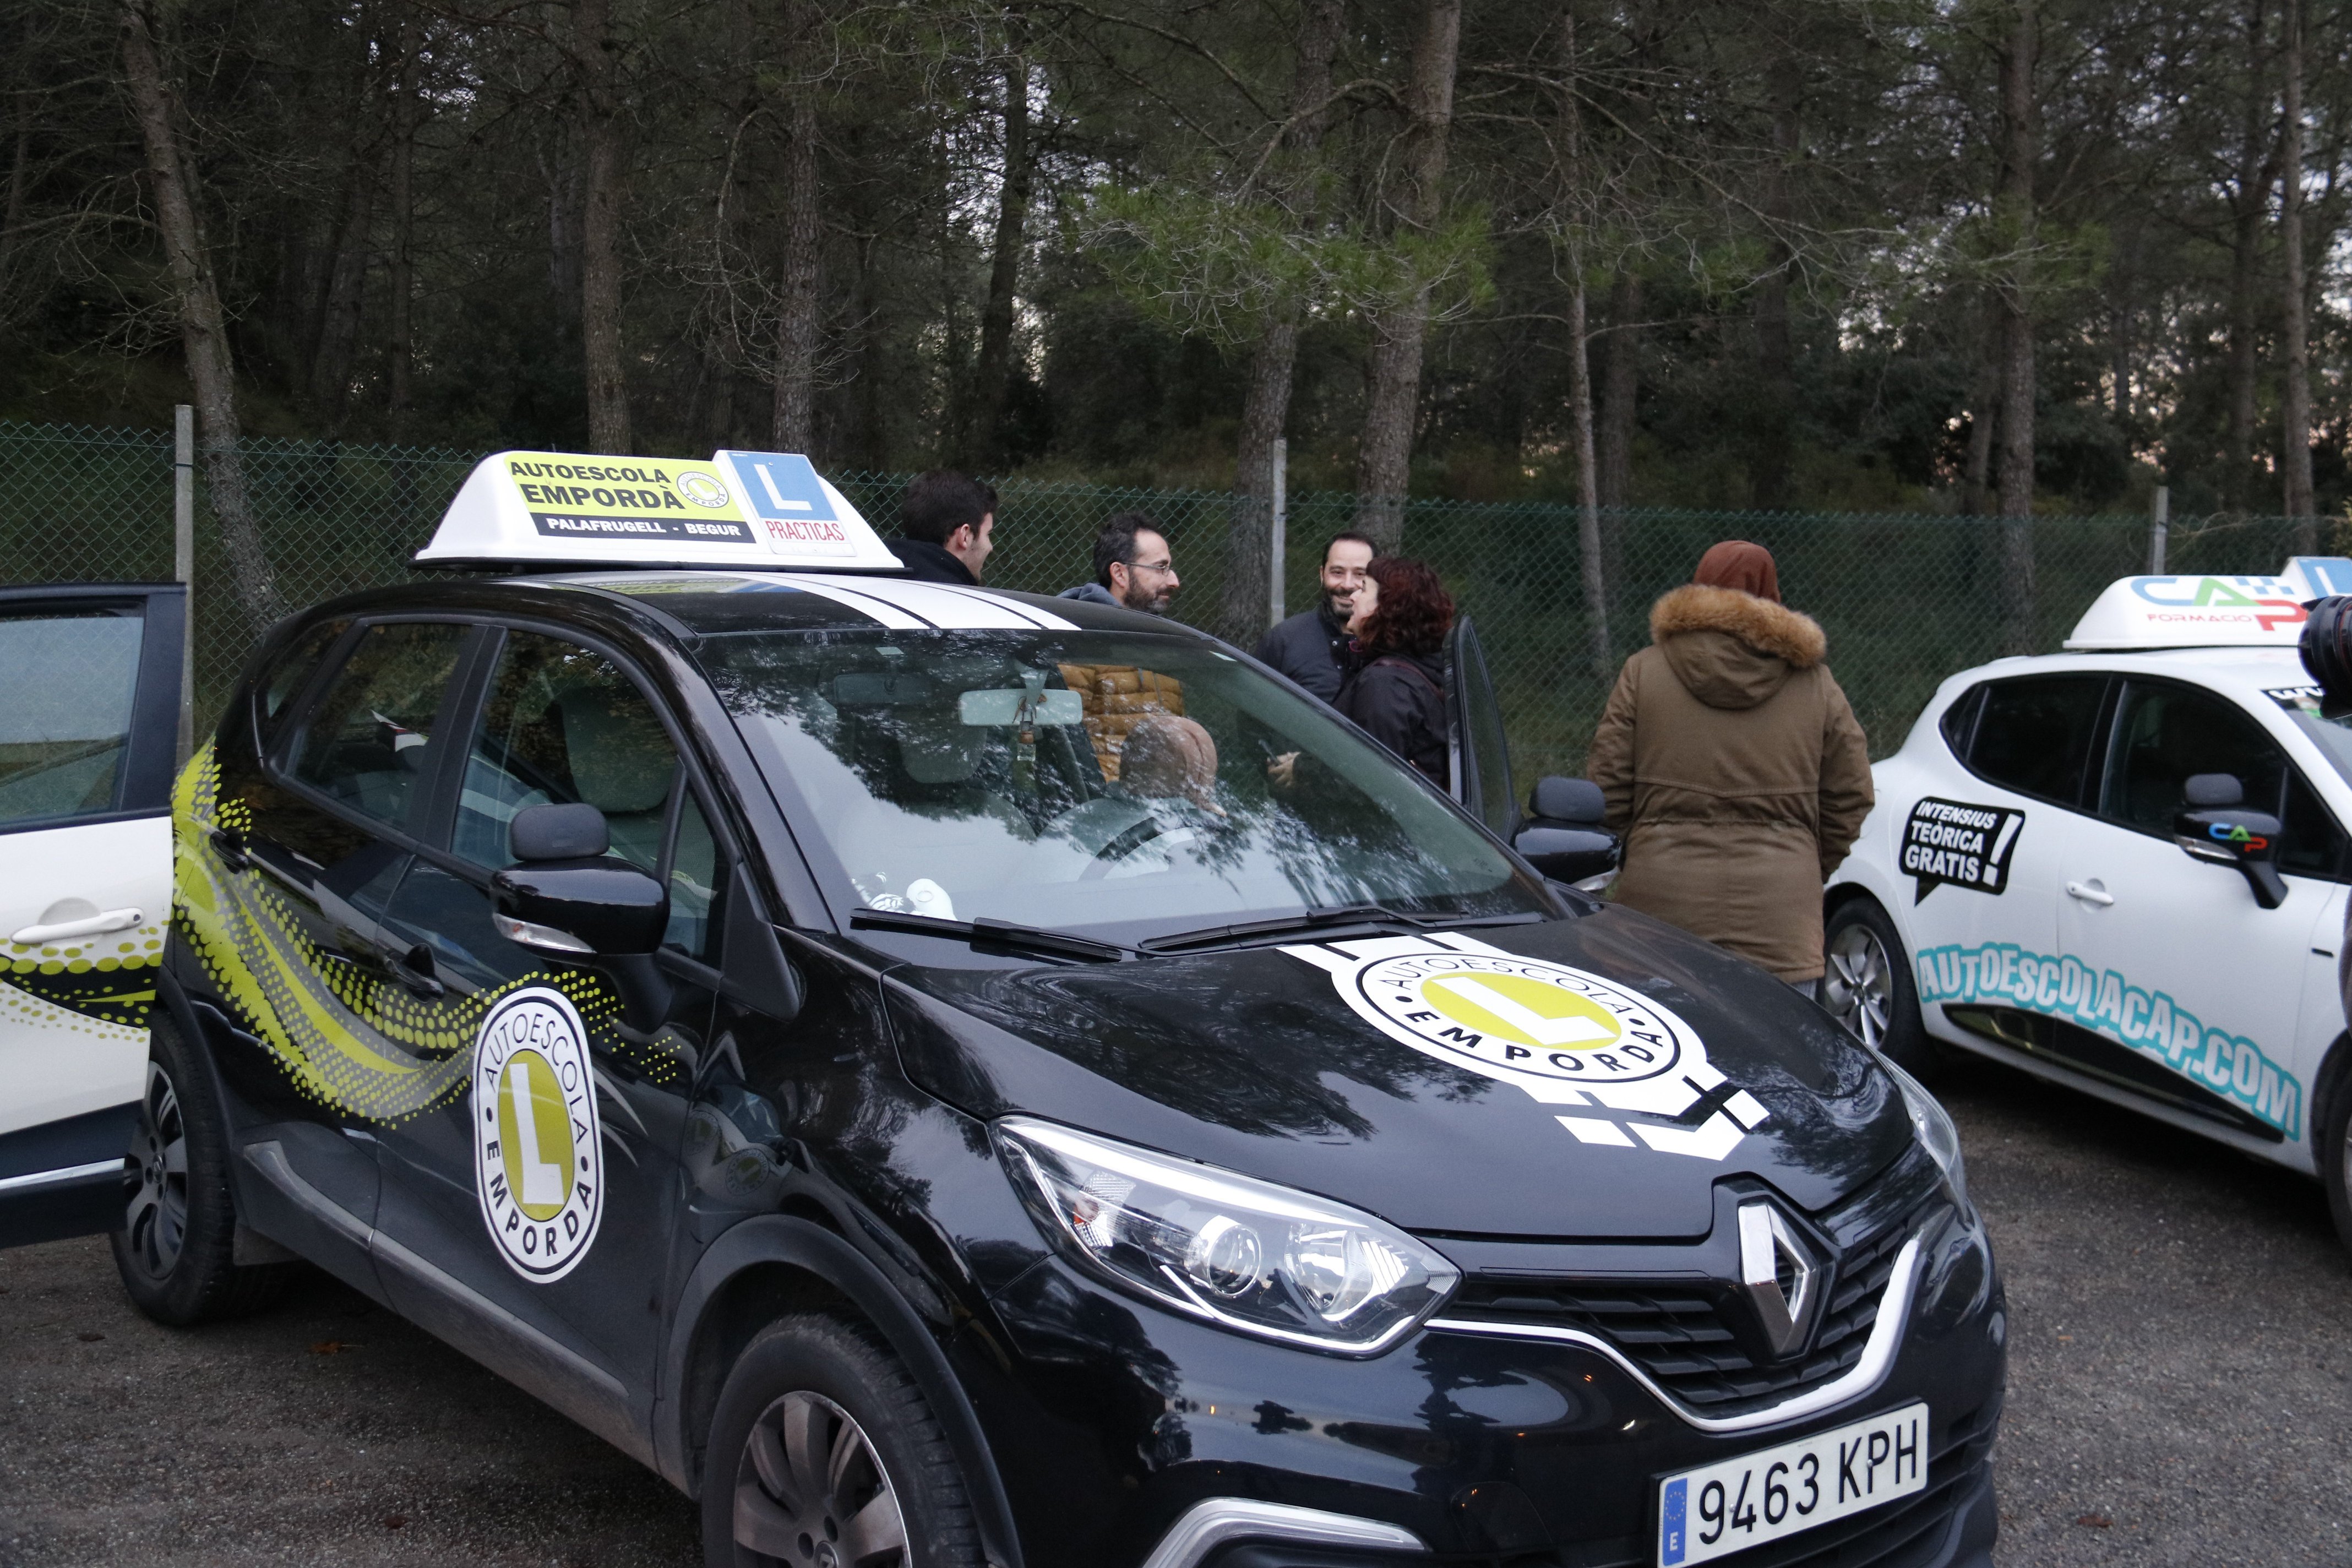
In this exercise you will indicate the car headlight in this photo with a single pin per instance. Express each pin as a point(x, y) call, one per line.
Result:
point(1247, 1254)
point(1934, 1125)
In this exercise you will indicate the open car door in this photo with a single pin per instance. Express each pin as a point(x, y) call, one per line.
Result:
point(89, 722)
point(1480, 753)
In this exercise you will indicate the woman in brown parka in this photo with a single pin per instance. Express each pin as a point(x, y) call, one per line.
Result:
point(1733, 767)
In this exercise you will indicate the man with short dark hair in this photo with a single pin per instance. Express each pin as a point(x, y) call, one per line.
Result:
point(1311, 646)
point(944, 526)
point(1134, 567)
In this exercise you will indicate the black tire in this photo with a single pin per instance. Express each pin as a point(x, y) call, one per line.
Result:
point(176, 1249)
point(829, 1387)
point(1867, 985)
point(2335, 1132)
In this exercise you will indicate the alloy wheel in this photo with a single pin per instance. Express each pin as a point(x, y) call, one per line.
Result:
point(157, 1221)
point(811, 1491)
point(1858, 989)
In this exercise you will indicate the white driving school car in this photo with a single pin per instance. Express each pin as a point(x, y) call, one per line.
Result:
point(2123, 867)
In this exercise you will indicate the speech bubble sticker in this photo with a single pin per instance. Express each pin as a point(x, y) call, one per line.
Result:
point(1954, 841)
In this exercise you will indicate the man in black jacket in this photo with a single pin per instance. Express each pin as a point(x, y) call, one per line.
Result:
point(944, 524)
point(1311, 647)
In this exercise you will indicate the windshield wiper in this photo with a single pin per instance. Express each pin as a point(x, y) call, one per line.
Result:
point(1000, 934)
point(1374, 918)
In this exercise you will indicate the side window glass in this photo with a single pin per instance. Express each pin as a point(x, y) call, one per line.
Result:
point(2036, 735)
point(2313, 844)
point(286, 677)
point(369, 741)
point(563, 724)
point(2164, 734)
point(1959, 719)
point(65, 709)
point(693, 885)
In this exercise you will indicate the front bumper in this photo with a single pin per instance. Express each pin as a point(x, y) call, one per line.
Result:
point(1115, 1424)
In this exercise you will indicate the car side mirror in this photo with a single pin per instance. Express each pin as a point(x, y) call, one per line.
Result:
point(1566, 801)
point(567, 898)
point(2225, 836)
point(1577, 856)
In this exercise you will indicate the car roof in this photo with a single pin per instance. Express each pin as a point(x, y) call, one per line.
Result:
point(2247, 672)
point(686, 604)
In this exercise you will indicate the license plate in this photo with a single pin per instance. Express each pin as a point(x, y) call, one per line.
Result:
point(1732, 1505)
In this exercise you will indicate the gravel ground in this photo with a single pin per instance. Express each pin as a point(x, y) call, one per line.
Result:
point(2180, 1391)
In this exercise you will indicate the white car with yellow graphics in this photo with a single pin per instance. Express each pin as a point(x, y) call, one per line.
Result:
point(2123, 867)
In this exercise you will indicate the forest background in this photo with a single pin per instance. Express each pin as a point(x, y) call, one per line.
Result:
point(1962, 256)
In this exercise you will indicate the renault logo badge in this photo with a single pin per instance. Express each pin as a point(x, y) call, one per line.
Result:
point(1778, 1275)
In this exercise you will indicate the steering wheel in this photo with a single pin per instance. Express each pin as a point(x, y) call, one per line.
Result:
point(1124, 843)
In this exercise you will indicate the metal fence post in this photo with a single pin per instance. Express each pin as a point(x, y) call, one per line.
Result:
point(1278, 525)
point(183, 564)
point(2159, 521)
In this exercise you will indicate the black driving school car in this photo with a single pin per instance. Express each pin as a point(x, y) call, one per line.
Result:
point(952, 1077)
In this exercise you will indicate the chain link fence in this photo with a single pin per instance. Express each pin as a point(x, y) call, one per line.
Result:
point(1906, 599)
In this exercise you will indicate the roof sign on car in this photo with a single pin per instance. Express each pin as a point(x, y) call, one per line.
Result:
point(2209, 611)
point(571, 508)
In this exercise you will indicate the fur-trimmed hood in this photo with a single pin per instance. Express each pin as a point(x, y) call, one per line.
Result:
point(1732, 649)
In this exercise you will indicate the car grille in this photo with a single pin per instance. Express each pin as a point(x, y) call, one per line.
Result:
point(1682, 1336)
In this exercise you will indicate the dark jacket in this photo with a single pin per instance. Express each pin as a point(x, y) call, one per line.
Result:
point(1736, 774)
point(1399, 699)
point(1311, 649)
point(1092, 592)
point(929, 563)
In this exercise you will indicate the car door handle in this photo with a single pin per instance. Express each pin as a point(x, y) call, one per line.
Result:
point(414, 969)
point(231, 850)
point(88, 925)
point(2090, 893)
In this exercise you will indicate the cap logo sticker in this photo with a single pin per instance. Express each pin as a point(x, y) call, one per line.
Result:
point(538, 1158)
point(1952, 841)
point(1563, 1035)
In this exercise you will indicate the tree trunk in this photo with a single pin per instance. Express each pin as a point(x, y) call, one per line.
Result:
point(1588, 482)
point(593, 47)
point(1384, 460)
point(1984, 417)
point(203, 330)
point(1266, 404)
point(2294, 435)
point(2251, 197)
point(12, 213)
point(2021, 149)
point(1775, 355)
point(339, 319)
point(994, 371)
point(400, 347)
point(1620, 386)
point(797, 327)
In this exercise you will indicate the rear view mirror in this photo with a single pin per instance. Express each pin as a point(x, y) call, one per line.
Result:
point(1567, 800)
point(1002, 707)
point(598, 907)
point(2224, 835)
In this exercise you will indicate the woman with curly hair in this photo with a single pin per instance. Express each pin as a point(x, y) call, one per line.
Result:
point(1397, 689)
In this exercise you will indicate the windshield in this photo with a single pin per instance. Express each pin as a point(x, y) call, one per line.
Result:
point(1130, 785)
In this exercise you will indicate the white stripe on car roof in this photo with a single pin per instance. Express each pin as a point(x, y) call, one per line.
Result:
point(859, 596)
point(938, 603)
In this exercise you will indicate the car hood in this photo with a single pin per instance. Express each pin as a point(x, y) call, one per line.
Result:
point(1323, 1067)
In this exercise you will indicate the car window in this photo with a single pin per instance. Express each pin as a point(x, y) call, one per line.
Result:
point(693, 885)
point(563, 723)
point(2166, 733)
point(65, 709)
point(290, 672)
point(2035, 734)
point(1130, 784)
point(369, 740)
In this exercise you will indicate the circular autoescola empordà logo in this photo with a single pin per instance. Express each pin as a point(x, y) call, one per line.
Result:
point(1569, 1038)
point(537, 1159)
point(701, 488)
point(1526, 1015)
